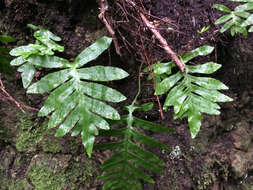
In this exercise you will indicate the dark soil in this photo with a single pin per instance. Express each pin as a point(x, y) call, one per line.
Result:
point(213, 160)
point(178, 21)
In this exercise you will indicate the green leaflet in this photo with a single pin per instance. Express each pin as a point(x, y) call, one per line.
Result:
point(125, 168)
point(236, 20)
point(192, 95)
point(93, 51)
point(4, 55)
point(74, 104)
point(31, 57)
point(6, 38)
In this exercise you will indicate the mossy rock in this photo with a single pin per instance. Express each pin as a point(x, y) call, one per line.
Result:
point(57, 172)
point(6, 183)
point(33, 135)
point(30, 133)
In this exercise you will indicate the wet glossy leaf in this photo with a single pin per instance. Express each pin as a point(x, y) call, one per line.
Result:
point(226, 26)
point(28, 72)
point(167, 83)
point(244, 7)
point(242, 14)
point(235, 19)
point(77, 105)
point(248, 21)
point(93, 51)
point(194, 120)
point(160, 68)
point(201, 51)
point(25, 51)
point(223, 19)
point(221, 8)
point(251, 29)
point(207, 68)
point(48, 61)
point(101, 73)
point(47, 38)
point(192, 95)
point(38, 55)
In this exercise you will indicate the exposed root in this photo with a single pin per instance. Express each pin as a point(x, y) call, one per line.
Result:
point(126, 21)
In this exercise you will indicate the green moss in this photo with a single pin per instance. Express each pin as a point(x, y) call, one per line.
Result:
point(30, 133)
point(19, 185)
point(51, 145)
point(4, 181)
point(10, 184)
point(80, 174)
point(76, 176)
point(3, 134)
point(42, 177)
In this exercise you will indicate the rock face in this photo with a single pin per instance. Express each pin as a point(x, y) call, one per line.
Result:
point(241, 163)
point(242, 136)
point(242, 157)
point(35, 159)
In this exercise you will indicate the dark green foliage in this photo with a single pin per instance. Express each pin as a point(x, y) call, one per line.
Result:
point(4, 55)
point(191, 95)
point(127, 166)
point(45, 44)
point(238, 19)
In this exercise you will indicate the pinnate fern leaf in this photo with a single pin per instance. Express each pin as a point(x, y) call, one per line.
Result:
point(191, 95)
point(74, 103)
point(45, 45)
point(127, 166)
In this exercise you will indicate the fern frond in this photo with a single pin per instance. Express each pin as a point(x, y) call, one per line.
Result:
point(129, 164)
point(191, 95)
point(45, 45)
point(238, 19)
point(74, 103)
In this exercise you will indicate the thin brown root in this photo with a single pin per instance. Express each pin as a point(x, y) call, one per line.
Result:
point(163, 43)
point(102, 17)
point(154, 83)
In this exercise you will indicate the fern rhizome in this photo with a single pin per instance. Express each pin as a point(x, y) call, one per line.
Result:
point(77, 104)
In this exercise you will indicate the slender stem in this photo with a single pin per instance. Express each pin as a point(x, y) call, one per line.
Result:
point(139, 86)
